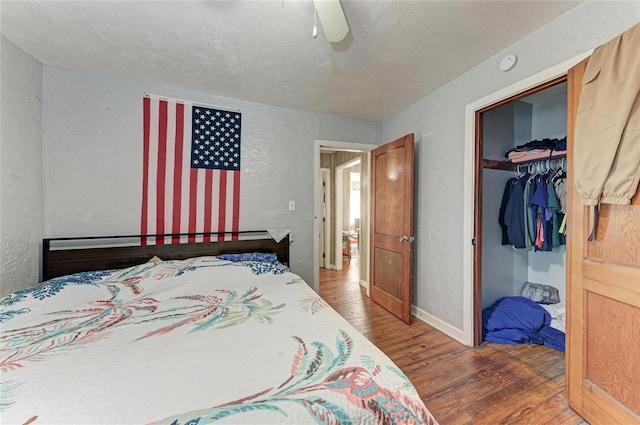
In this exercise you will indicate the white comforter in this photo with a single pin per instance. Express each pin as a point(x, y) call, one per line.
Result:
point(192, 342)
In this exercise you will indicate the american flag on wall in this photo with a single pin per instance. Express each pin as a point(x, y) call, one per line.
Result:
point(191, 171)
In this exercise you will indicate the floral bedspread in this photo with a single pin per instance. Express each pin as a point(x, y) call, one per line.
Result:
point(198, 341)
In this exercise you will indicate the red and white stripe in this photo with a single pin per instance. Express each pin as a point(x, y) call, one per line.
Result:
point(175, 197)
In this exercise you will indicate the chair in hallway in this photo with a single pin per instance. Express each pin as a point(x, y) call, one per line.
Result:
point(346, 246)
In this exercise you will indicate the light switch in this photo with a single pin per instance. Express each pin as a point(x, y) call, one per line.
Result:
point(292, 205)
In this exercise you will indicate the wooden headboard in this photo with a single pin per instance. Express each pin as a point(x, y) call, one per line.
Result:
point(62, 256)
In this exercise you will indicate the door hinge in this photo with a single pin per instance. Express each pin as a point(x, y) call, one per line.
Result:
point(473, 241)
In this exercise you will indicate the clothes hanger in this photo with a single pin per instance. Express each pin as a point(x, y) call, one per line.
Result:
point(559, 171)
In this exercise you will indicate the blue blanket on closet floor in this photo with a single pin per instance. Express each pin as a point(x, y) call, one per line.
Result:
point(515, 320)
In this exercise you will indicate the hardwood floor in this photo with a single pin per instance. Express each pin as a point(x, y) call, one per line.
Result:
point(490, 384)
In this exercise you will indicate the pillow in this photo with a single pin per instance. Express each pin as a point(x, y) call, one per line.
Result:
point(250, 256)
point(155, 259)
point(543, 294)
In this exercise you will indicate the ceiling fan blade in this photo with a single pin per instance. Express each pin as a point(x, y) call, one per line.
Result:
point(332, 18)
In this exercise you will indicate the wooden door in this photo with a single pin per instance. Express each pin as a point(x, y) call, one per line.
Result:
point(603, 303)
point(392, 226)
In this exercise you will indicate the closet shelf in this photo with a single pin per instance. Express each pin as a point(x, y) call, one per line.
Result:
point(498, 164)
point(508, 165)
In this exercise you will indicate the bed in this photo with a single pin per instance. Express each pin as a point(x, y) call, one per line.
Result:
point(194, 333)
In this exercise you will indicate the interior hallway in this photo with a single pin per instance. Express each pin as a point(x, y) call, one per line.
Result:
point(490, 384)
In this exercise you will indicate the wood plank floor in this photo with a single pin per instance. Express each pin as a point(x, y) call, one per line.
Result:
point(490, 384)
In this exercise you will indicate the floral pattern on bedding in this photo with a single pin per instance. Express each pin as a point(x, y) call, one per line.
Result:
point(8, 394)
point(8, 314)
point(317, 373)
point(261, 267)
point(312, 305)
point(72, 328)
point(51, 287)
point(224, 342)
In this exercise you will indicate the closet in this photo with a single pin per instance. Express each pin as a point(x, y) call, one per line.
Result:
point(503, 270)
point(602, 268)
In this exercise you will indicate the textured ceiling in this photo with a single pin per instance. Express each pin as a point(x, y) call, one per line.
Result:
point(262, 51)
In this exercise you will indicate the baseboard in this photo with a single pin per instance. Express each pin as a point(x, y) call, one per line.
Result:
point(366, 287)
point(439, 324)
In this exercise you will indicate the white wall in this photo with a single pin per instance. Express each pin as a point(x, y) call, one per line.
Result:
point(549, 118)
point(93, 158)
point(20, 169)
point(438, 122)
point(501, 264)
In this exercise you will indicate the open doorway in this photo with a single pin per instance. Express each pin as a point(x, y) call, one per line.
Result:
point(342, 209)
point(348, 205)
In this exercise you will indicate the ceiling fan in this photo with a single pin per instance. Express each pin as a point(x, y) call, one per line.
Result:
point(332, 18)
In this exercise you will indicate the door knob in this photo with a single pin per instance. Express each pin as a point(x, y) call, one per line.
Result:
point(405, 238)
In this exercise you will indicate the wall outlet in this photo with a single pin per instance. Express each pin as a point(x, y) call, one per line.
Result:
point(292, 205)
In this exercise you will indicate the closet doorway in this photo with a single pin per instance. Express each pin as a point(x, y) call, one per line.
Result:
point(602, 275)
point(526, 250)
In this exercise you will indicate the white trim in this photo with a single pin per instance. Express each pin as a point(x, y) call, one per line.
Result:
point(344, 146)
point(350, 163)
point(317, 144)
point(469, 177)
point(339, 170)
point(337, 249)
point(367, 229)
point(365, 285)
point(327, 224)
point(439, 324)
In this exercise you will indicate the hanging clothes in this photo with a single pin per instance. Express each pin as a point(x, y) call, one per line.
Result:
point(531, 210)
point(607, 134)
point(514, 211)
point(553, 223)
point(503, 207)
point(529, 216)
point(560, 186)
point(538, 204)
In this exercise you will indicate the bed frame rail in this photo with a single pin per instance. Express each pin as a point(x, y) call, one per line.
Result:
point(63, 256)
